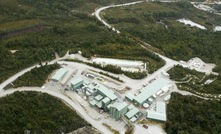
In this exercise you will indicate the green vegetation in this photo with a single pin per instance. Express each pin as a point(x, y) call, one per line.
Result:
point(191, 115)
point(35, 77)
point(39, 29)
point(114, 69)
point(217, 7)
point(155, 23)
point(180, 73)
point(24, 112)
point(194, 81)
point(115, 78)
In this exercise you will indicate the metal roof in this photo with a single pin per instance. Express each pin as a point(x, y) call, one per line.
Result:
point(99, 97)
point(87, 82)
point(76, 81)
point(161, 107)
point(99, 104)
point(156, 115)
point(130, 96)
point(167, 97)
point(132, 112)
point(151, 89)
point(131, 106)
point(133, 119)
point(59, 74)
point(119, 105)
point(110, 94)
point(106, 100)
point(93, 102)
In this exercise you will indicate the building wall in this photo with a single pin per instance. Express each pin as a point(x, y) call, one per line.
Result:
point(77, 85)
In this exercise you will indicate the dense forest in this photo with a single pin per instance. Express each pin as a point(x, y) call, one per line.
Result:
point(191, 115)
point(156, 23)
point(36, 30)
point(36, 77)
point(180, 73)
point(33, 112)
point(194, 81)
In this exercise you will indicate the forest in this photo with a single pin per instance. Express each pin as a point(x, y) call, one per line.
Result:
point(33, 112)
point(191, 115)
point(159, 27)
point(36, 77)
point(36, 30)
point(194, 81)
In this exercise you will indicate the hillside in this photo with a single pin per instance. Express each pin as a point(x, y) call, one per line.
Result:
point(37, 113)
point(38, 29)
point(156, 23)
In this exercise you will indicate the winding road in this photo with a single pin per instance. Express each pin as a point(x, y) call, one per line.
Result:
point(128, 82)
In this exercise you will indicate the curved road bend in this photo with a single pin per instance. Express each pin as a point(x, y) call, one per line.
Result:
point(97, 13)
point(15, 76)
point(78, 109)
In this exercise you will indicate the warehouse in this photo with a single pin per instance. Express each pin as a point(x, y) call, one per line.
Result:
point(131, 115)
point(104, 91)
point(105, 102)
point(130, 97)
point(159, 114)
point(59, 75)
point(76, 83)
point(118, 109)
point(150, 90)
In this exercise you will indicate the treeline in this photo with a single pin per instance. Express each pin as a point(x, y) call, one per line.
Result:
point(36, 76)
point(155, 16)
point(33, 112)
point(113, 77)
point(176, 40)
point(178, 73)
point(191, 115)
point(196, 80)
point(129, 19)
point(65, 29)
point(114, 69)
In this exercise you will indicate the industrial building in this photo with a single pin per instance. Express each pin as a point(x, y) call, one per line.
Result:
point(159, 114)
point(132, 114)
point(59, 75)
point(76, 83)
point(149, 91)
point(118, 109)
point(130, 97)
point(103, 97)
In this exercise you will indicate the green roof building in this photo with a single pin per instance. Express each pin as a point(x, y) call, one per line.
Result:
point(59, 74)
point(118, 109)
point(150, 90)
point(99, 104)
point(132, 113)
point(159, 114)
point(105, 102)
point(104, 91)
point(93, 102)
point(76, 83)
point(130, 97)
point(131, 107)
point(99, 97)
